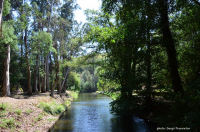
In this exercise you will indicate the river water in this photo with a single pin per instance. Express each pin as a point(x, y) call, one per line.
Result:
point(90, 113)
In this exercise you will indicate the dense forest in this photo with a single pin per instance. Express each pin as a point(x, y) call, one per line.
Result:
point(144, 52)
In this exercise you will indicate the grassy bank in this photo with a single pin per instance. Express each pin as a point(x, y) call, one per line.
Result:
point(33, 113)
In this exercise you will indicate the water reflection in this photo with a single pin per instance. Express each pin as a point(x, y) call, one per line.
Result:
point(90, 113)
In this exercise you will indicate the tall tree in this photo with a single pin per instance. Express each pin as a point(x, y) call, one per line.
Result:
point(169, 43)
point(6, 76)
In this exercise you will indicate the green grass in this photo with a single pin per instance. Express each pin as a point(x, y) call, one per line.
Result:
point(52, 108)
point(39, 118)
point(28, 111)
point(67, 102)
point(4, 109)
point(18, 112)
point(51, 119)
point(7, 123)
point(74, 95)
point(112, 95)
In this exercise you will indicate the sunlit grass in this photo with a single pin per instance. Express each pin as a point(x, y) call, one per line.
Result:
point(74, 95)
point(52, 108)
point(28, 111)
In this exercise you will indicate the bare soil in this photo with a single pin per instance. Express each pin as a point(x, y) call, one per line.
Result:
point(28, 122)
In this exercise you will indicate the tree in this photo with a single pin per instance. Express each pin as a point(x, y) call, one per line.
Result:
point(170, 46)
point(8, 38)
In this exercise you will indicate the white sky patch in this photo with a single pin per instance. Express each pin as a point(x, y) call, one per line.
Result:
point(86, 4)
point(81, 17)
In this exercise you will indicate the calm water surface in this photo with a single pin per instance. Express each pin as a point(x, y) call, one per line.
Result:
point(90, 113)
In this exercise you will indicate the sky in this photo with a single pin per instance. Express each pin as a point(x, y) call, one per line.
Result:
point(86, 4)
point(80, 16)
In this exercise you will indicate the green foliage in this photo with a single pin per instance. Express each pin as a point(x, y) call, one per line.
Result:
point(8, 34)
point(113, 95)
point(86, 81)
point(6, 7)
point(73, 82)
point(42, 40)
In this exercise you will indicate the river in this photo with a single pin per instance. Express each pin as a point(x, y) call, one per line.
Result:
point(90, 113)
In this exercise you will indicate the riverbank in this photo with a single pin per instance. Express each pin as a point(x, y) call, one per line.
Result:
point(36, 113)
point(163, 113)
point(150, 116)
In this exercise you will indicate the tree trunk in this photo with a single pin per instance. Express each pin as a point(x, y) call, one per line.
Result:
point(54, 85)
point(47, 57)
point(1, 14)
point(6, 77)
point(170, 46)
point(22, 48)
point(65, 80)
point(43, 90)
point(39, 76)
point(35, 74)
point(47, 72)
point(93, 76)
point(39, 82)
point(58, 77)
point(148, 99)
point(50, 70)
point(27, 64)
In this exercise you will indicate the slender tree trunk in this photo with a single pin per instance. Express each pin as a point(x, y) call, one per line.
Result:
point(50, 70)
point(170, 46)
point(22, 49)
point(35, 74)
point(148, 63)
point(43, 90)
point(58, 77)
point(39, 76)
point(47, 72)
point(27, 64)
point(6, 76)
point(65, 80)
point(47, 57)
point(1, 15)
point(53, 88)
point(93, 76)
